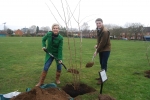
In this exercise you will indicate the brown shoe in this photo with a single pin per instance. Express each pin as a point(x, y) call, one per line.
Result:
point(99, 82)
point(58, 77)
point(97, 78)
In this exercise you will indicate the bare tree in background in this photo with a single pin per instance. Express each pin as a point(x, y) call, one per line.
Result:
point(85, 26)
point(32, 29)
point(9, 31)
point(85, 29)
point(113, 29)
point(37, 30)
point(116, 32)
point(46, 28)
point(134, 29)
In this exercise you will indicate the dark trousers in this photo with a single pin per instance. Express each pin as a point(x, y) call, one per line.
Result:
point(103, 56)
point(49, 62)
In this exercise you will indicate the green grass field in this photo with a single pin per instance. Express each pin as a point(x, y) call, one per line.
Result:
point(22, 59)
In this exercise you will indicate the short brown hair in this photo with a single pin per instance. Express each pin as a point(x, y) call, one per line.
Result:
point(55, 25)
point(99, 19)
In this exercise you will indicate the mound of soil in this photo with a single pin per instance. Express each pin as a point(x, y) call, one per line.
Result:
point(105, 97)
point(81, 89)
point(38, 93)
point(147, 73)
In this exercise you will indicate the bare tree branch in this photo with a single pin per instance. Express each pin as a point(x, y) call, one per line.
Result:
point(63, 11)
point(52, 13)
point(57, 10)
point(73, 11)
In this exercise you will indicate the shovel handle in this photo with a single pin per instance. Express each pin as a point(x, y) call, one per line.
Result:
point(49, 53)
point(93, 55)
point(64, 66)
point(93, 58)
point(55, 58)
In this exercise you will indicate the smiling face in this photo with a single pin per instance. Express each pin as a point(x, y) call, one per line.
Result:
point(99, 24)
point(55, 29)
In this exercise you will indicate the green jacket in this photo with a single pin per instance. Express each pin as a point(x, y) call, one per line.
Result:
point(55, 47)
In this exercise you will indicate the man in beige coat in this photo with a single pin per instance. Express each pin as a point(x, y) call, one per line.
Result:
point(103, 45)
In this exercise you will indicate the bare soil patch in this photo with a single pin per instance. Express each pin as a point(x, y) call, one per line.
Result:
point(82, 89)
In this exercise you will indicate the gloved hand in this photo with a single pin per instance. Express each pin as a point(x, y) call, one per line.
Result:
point(43, 48)
point(60, 61)
point(95, 46)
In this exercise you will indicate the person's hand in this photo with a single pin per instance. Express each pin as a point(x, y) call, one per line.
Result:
point(95, 53)
point(95, 46)
point(43, 48)
point(60, 61)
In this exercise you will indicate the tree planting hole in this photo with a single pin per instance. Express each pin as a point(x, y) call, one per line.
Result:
point(82, 89)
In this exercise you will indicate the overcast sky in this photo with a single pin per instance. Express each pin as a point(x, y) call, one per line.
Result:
point(25, 13)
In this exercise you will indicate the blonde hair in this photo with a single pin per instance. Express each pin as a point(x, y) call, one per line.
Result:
point(55, 25)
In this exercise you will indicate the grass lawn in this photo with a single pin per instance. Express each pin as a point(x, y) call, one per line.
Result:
point(22, 59)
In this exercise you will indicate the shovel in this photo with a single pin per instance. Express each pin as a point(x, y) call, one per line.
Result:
point(90, 64)
point(68, 70)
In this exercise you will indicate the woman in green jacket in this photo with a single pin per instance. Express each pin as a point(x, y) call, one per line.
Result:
point(54, 45)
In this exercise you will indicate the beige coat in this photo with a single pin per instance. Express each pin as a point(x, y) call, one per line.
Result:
point(103, 40)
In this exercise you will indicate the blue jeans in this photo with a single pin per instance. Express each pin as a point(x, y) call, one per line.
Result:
point(49, 62)
point(103, 56)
